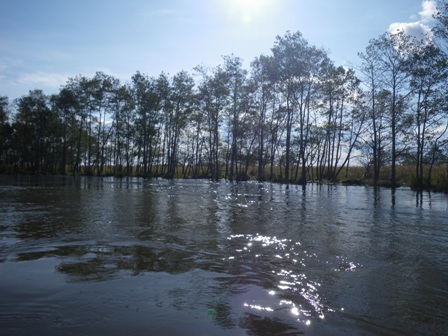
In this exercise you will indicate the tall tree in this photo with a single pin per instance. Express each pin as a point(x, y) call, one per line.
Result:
point(147, 105)
point(121, 107)
point(298, 66)
point(288, 52)
point(429, 73)
point(213, 98)
point(5, 132)
point(276, 116)
point(263, 94)
point(371, 72)
point(394, 51)
point(343, 117)
point(236, 77)
point(36, 128)
point(101, 89)
point(65, 105)
point(441, 28)
point(178, 113)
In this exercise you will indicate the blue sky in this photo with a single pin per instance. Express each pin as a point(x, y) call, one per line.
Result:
point(44, 42)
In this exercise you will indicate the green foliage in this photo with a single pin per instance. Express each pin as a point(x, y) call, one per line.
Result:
point(440, 183)
point(353, 182)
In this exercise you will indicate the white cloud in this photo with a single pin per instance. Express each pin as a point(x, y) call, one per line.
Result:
point(40, 78)
point(415, 29)
point(429, 8)
point(418, 29)
point(54, 81)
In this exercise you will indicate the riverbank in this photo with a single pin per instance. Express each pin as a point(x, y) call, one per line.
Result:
point(436, 179)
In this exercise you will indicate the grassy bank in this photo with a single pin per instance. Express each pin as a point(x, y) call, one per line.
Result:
point(405, 177)
point(355, 175)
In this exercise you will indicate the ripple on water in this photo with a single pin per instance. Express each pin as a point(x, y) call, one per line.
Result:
point(281, 277)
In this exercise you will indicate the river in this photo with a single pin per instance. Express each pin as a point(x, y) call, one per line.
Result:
point(133, 256)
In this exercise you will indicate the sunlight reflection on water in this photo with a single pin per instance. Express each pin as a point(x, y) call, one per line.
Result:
point(285, 259)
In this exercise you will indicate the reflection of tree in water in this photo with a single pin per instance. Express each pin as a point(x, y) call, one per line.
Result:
point(266, 326)
point(90, 270)
point(221, 313)
point(237, 279)
point(197, 290)
point(104, 262)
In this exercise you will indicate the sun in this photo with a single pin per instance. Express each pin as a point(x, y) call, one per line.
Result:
point(248, 4)
point(249, 10)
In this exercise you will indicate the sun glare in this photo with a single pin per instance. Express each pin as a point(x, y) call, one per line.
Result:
point(247, 4)
point(248, 10)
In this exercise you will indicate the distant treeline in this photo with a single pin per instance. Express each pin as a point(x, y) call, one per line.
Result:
point(293, 110)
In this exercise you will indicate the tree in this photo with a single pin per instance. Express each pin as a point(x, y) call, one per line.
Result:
point(101, 90)
point(393, 51)
point(177, 112)
point(441, 29)
point(36, 133)
point(122, 107)
point(263, 95)
point(270, 113)
point(147, 102)
point(429, 73)
point(289, 52)
point(65, 105)
point(343, 118)
point(78, 98)
point(5, 132)
point(197, 138)
point(235, 78)
point(377, 99)
point(298, 66)
point(212, 99)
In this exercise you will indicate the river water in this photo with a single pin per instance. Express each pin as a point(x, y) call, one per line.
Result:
point(92, 256)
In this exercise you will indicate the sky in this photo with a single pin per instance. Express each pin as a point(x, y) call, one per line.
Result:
point(45, 42)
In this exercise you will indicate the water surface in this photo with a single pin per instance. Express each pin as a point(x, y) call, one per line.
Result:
point(193, 257)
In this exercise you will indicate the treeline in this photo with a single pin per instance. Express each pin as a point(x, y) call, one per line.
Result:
point(293, 116)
